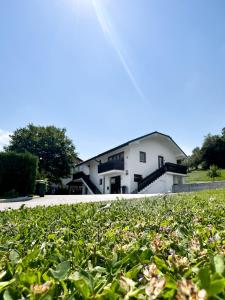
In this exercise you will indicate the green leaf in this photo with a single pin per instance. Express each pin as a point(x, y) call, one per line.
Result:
point(61, 271)
point(4, 284)
point(145, 256)
point(7, 295)
point(82, 284)
point(219, 264)
point(14, 257)
point(29, 277)
point(99, 269)
point(204, 276)
point(170, 282)
point(216, 287)
point(169, 294)
point(161, 264)
point(2, 274)
point(132, 273)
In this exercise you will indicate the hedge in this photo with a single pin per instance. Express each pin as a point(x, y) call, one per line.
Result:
point(17, 173)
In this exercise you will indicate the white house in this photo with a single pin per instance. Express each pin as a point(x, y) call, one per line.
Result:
point(148, 164)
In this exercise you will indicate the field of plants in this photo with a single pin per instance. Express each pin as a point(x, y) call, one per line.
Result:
point(167, 247)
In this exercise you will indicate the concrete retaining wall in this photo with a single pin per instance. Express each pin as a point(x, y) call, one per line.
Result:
point(189, 187)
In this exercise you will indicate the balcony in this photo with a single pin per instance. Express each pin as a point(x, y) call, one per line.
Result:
point(174, 168)
point(111, 166)
point(78, 175)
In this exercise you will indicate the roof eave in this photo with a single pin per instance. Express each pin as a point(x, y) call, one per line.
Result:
point(129, 142)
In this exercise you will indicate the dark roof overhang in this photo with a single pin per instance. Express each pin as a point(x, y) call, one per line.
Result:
point(132, 141)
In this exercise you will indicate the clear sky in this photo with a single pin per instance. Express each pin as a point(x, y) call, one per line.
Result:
point(113, 70)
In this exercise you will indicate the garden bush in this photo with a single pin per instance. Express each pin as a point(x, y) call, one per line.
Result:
point(17, 173)
point(213, 172)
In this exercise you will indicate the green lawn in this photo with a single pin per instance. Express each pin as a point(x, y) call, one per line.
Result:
point(166, 247)
point(201, 176)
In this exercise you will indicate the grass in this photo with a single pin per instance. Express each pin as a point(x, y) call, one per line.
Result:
point(166, 247)
point(201, 176)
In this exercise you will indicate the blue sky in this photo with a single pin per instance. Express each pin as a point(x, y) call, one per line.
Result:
point(112, 70)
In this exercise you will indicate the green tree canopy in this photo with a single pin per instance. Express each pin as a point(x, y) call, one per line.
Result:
point(50, 144)
point(195, 159)
point(213, 151)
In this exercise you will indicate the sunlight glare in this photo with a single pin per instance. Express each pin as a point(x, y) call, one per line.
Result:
point(109, 32)
point(81, 5)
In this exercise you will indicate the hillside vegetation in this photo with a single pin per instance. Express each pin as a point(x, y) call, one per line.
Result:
point(168, 247)
point(212, 152)
point(201, 176)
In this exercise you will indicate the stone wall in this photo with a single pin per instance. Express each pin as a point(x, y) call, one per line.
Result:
point(190, 187)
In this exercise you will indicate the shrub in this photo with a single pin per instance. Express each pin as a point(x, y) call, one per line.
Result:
point(17, 173)
point(213, 172)
point(11, 194)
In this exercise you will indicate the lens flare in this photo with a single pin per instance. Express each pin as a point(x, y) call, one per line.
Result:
point(111, 36)
point(110, 33)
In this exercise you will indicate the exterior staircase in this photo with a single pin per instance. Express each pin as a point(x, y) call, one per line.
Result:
point(86, 180)
point(167, 167)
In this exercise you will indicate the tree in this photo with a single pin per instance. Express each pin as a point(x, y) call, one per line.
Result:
point(195, 159)
point(50, 144)
point(213, 151)
point(223, 132)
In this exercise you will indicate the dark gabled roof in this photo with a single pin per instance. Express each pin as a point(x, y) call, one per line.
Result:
point(78, 160)
point(131, 141)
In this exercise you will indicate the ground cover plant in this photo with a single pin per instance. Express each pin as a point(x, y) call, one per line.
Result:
point(167, 247)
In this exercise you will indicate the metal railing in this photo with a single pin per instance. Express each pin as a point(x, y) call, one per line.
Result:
point(86, 179)
point(111, 165)
point(168, 167)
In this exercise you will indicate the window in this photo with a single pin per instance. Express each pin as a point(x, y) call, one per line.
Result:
point(118, 156)
point(142, 156)
point(100, 181)
point(160, 161)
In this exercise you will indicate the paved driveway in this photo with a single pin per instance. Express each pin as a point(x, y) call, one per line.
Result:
point(69, 199)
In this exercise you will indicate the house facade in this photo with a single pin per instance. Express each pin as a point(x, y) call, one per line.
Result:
point(148, 164)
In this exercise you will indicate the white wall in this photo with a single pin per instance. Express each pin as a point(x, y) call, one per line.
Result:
point(163, 184)
point(153, 146)
point(82, 168)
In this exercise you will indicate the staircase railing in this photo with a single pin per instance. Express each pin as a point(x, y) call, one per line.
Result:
point(168, 167)
point(150, 178)
point(86, 179)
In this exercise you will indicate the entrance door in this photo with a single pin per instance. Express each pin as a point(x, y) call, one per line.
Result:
point(115, 183)
point(160, 161)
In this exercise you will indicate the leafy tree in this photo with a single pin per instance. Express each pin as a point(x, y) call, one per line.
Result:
point(50, 144)
point(213, 151)
point(195, 159)
point(223, 132)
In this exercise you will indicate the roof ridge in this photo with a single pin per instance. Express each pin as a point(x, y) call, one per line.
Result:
point(127, 143)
